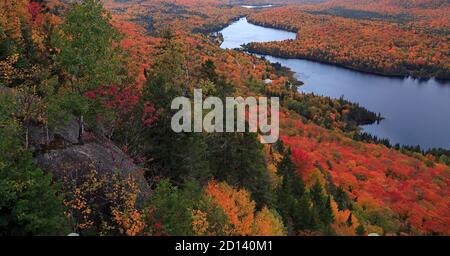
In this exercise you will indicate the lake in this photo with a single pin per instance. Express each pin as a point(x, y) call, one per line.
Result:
point(242, 32)
point(257, 6)
point(416, 112)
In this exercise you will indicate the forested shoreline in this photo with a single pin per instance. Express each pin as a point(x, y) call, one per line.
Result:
point(308, 46)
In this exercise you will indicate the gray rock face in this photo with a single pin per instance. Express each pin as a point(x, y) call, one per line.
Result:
point(63, 154)
point(104, 158)
point(80, 159)
point(67, 134)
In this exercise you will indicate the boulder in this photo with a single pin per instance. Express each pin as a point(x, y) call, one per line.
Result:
point(78, 160)
point(64, 135)
point(61, 153)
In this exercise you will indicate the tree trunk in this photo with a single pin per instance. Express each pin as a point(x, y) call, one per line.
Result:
point(26, 137)
point(47, 141)
point(81, 131)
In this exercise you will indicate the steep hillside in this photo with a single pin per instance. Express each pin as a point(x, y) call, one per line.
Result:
point(86, 143)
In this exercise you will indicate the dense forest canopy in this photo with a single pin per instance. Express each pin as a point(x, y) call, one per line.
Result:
point(86, 144)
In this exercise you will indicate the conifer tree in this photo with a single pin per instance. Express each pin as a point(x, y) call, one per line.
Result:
point(293, 201)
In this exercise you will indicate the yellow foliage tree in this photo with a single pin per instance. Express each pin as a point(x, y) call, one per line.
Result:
point(200, 223)
point(98, 196)
point(12, 13)
point(239, 210)
point(268, 223)
point(345, 223)
point(237, 206)
point(316, 176)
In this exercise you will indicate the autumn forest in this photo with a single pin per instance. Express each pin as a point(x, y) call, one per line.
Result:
point(86, 145)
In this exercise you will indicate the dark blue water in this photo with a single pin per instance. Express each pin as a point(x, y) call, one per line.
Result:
point(416, 112)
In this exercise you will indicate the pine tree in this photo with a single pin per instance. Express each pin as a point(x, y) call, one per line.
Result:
point(322, 205)
point(174, 155)
point(293, 201)
point(171, 207)
point(239, 159)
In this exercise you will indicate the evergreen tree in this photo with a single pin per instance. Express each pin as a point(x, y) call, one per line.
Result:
point(342, 199)
point(239, 159)
point(29, 201)
point(293, 201)
point(322, 205)
point(171, 207)
point(360, 230)
point(174, 155)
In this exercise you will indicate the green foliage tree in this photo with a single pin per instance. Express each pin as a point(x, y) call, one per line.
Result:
point(322, 205)
point(29, 200)
point(89, 56)
point(175, 155)
point(293, 201)
point(342, 199)
point(172, 208)
point(208, 71)
point(236, 158)
point(360, 230)
point(239, 159)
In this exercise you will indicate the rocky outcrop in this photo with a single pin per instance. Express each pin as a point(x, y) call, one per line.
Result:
point(65, 156)
point(77, 160)
point(40, 137)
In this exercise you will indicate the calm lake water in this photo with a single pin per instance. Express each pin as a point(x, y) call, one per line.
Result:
point(257, 6)
point(242, 32)
point(416, 112)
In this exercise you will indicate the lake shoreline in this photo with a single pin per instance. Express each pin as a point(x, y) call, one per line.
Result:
point(412, 108)
point(399, 76)
point(319, 60)
point(218, 27)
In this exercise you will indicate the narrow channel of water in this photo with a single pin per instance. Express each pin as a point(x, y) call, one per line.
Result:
point(257, 6)
point(417, 112)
